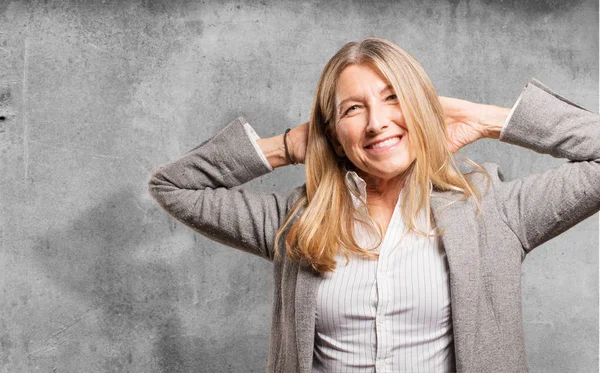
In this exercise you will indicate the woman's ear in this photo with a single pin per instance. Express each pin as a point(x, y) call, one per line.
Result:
point(339, 149)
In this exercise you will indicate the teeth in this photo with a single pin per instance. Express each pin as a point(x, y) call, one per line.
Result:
point(385, 143)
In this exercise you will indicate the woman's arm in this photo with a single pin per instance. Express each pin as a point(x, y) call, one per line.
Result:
point(196, 189)
point(540, 206)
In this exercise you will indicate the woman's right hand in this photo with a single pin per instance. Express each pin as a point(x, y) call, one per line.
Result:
point(297, 140)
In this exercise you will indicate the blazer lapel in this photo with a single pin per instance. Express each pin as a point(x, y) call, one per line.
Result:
point(461, 242)
point(307, 283)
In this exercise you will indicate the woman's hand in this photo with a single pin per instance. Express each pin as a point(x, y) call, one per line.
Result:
point(467, 122)
point(274, 147)
point(297, 140)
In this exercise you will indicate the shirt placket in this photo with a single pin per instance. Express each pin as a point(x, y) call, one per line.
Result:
point(382, 322)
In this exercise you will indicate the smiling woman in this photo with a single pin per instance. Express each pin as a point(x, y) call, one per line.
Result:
point(431, 279)
point(372, 91)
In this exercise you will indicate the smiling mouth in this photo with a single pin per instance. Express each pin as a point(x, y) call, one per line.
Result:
point(386, 143)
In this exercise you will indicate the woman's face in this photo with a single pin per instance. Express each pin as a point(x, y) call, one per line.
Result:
point(369, 124)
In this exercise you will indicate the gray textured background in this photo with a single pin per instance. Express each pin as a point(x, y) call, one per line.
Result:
point(95, 277)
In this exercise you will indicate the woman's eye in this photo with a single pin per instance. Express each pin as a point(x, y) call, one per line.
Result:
point(350, 109)
point(391, 97)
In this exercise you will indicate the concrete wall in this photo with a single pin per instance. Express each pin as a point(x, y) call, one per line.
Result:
point(95, 277)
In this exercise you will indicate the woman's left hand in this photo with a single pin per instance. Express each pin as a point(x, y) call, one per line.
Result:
point(467, 122)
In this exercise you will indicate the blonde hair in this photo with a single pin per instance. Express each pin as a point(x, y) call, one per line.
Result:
point(325, 224)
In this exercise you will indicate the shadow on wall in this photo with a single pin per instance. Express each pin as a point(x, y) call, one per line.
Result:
point(537, 7)
point(96, 258)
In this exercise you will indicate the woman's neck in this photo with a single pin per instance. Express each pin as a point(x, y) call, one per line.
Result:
point(382, 191)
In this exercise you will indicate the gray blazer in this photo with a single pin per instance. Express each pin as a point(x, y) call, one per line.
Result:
point(484, 253)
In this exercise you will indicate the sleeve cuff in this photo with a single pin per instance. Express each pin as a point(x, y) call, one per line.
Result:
point(510, 115)
point(253, 136)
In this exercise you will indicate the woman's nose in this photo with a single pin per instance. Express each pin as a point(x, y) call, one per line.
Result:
point(377, 120)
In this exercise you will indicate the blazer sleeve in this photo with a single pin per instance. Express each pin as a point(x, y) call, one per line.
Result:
point(541, 206)
point(198, 190)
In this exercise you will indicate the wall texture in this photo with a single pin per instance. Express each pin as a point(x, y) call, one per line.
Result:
point(95, 277)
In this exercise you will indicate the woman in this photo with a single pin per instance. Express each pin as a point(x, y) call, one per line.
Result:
point(389, 258)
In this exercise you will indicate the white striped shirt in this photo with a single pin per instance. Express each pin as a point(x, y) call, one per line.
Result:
point(386, 315)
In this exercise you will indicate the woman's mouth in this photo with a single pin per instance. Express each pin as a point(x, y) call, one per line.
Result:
point(385, 145)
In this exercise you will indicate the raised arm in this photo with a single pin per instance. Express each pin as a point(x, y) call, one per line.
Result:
point(541, 206)
point(196, 189)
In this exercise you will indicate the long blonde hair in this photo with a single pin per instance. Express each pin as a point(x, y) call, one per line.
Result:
point(325, 224)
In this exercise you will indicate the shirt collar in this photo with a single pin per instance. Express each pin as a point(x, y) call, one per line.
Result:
point(356, 183)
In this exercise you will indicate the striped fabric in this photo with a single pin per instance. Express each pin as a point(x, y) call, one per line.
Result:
point(386, 315)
